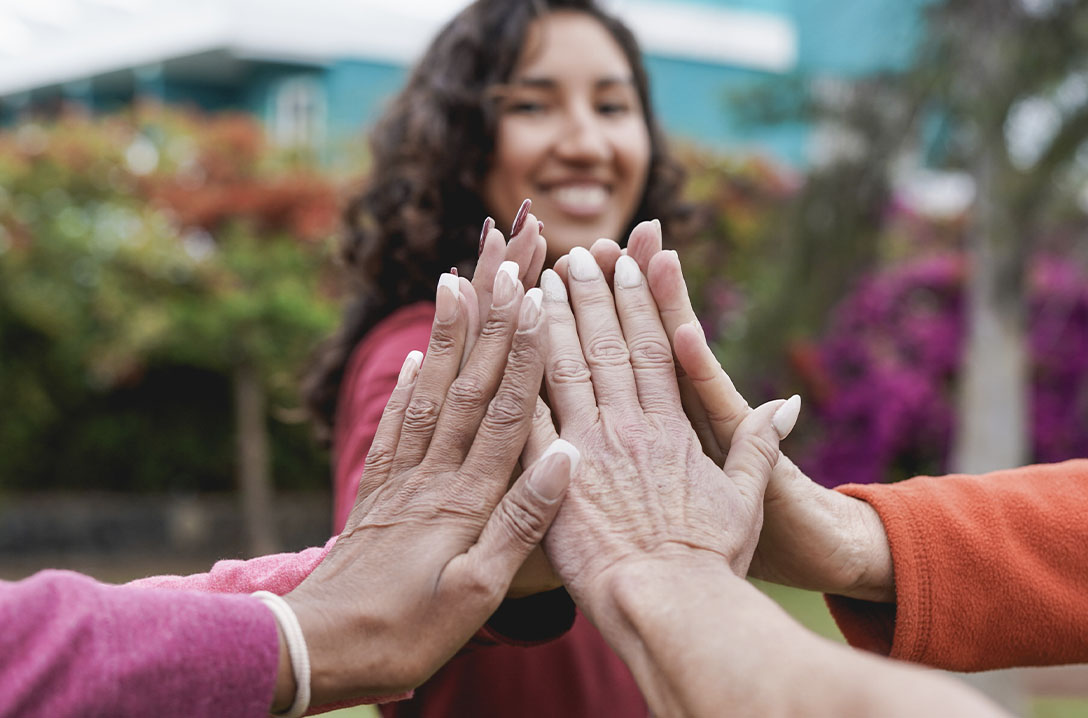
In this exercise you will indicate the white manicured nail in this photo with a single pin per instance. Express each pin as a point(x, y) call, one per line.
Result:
point(506, 279)
point(582, 264)
point(410, 369)
point(628, 275)
point(562, 446)
point(530, 308)
point(510, 268)
point(785, 418)
point(450, 282)
point(552, 284)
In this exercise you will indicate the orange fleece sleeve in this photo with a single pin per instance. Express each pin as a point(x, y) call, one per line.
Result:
point(991, 571)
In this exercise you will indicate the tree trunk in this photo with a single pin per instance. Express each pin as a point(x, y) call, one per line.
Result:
point(252, 460)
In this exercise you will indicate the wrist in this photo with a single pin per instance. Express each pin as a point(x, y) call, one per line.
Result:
point(875, 578)
point(628, 584)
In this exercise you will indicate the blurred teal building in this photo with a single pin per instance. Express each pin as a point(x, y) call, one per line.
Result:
point(319, 72)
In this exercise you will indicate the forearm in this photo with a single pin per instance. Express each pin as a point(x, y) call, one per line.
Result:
point(74, 646)
point(702, 642)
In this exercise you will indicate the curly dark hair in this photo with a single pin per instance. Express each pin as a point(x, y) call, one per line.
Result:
point(421, 211)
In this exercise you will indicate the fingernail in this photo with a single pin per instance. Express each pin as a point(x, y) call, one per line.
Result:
point(553, 286)
point(453, 271)
point(410, 369)
point(530, 308)
point(540, 226)
point(488, 225)
point(552, 484)
point(582, 264)
point(628, 275)
point(656, 223)
point(785, 417)
point(519, 220)
point(502, 292)
point(447, 299)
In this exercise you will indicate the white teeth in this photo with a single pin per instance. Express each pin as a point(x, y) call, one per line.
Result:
point(581, 197)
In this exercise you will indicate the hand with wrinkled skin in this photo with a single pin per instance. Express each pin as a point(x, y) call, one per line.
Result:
point(435, 535)
point(653, 538)
point(644, 487)
point(812, 538)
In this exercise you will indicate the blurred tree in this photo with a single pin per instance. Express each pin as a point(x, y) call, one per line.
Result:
point(159, 239)
point(998, 93)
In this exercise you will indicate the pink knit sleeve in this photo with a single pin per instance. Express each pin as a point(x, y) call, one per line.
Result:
point(73, 646)
point(278, 573)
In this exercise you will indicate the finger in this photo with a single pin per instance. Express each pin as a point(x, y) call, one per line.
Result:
point(606, 252)
point(541, 434)
point(505, 425)
point(670, 292)
point(644, 243)
point(516, 526)
point(570, 388)
point(651, 354)
point(469, 394)
point(540, 254)
point(561, 266)
point(603, 345)
point(471, 307)
point(438, 371)
point(383, 448)
point(723, 406)
point(523, 246)
point(754, 450)
point(492, 254)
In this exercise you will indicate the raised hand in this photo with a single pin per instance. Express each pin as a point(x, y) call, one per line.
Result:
point(645, 489)
point(812, 537)
point(435, 536)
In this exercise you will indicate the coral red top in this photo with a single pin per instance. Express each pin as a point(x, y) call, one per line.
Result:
point(514, 667)
point(991, 571)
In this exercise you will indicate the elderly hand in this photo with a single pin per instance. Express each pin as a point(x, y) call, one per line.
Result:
point(812, 537)
point(435, 537)
point(644, 487)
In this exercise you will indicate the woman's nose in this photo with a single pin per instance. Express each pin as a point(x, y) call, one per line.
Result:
point(582, 138)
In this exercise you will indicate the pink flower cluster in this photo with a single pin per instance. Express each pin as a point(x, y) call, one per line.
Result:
point(887, 367)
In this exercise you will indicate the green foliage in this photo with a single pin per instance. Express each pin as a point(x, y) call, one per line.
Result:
point(142, 258)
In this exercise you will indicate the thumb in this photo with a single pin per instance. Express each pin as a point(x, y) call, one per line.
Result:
point(754, 448)
point(519, 522)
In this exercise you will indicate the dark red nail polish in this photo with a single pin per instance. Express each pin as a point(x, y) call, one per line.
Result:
point(540, 226)
point(519, 220)
point(453, 271)
point(488, 224)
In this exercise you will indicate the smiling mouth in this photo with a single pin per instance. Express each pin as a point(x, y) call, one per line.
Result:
point(581, 200)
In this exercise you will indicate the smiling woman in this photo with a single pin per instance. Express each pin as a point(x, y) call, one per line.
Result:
point(571, 133)
point(514, 99)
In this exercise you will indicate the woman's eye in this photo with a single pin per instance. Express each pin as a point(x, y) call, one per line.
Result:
point(526, 107)
point(613, 108)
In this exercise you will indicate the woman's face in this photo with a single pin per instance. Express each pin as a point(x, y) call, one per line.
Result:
point(570, 136)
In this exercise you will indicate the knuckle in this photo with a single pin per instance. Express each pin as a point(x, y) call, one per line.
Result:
point(497, 325)
point(468, 391)
point(379, 458)
point(762, 458)
point(569, 371)
point(521, 519)
point(443, 341)
point(607, 351)
point(507, 410)
point(421, 415)
point(651, 353)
